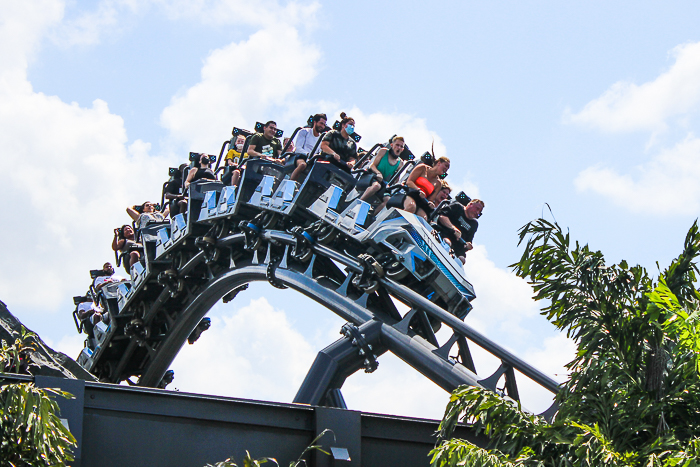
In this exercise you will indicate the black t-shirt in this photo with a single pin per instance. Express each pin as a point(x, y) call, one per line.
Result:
point(174, 187)
point(345, 148)
point(204, 173)
point(266, 147)
point(454, 211)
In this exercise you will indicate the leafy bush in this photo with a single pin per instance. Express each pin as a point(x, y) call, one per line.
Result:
point(632, 395)
point(32, 434)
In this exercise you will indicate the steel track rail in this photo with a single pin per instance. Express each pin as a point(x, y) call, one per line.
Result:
point(430, 360)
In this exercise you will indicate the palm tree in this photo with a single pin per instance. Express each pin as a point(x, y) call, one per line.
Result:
point(633, 395)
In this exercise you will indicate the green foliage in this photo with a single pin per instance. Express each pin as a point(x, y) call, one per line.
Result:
point(16, 358)
point(250, 462)
point(31, 432)
point(632, 398)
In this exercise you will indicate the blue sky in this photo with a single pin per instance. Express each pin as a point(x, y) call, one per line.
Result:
point(590, 107)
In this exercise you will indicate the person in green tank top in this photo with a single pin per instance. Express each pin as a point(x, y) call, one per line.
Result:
point(385, 164)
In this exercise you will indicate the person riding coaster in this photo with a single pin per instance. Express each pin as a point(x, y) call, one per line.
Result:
point(422, 188)
point(306, 144)
point(408, 250)
point(384, 166)
point(457, 223)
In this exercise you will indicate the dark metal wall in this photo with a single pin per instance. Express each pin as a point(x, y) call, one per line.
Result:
point(134, 426)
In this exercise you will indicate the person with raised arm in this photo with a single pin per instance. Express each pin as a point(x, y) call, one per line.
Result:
point(146, 214)
point(125, 243)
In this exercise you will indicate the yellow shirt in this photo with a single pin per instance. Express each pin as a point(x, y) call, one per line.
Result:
point(235, 156)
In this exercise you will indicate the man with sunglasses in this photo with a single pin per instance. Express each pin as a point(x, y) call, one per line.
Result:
point(458, 223)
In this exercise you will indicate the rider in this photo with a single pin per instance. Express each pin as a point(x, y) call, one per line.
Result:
point(308, 137)
point(424, 185)
point(337, 147)
point(306, 141)
point(124, 242)
point(265, 145)
point(385, 164)
point(234, 160)
point(458, 221)
point(146, 214)
point(108, 276)
point(173, 192)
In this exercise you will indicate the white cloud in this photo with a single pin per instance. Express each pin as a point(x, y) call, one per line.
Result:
point(63, 213)
point(395, 388)
point(503, 299)
point(630, 107)
point(666, 184)
point(88, 27)
point(378, 127)
point(260, 13)
point(70, 172)
point(240, 83)
point(254, 353)
point(21, 29)
point(549, 355)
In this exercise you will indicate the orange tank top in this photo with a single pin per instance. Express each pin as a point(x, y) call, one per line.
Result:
point(425, 185)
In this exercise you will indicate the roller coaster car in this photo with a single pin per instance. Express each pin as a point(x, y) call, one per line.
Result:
point(85, 358)
point(166, 237)
point(284, 196)
point(108, 297)
point(141, 271)
point(351, 220)
point(419, 249)
point(405, 243)
point(235, 201)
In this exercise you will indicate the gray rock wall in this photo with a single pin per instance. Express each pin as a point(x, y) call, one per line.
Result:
point(50, 362)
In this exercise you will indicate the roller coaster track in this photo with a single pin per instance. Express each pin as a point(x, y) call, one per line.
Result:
point(176, 290)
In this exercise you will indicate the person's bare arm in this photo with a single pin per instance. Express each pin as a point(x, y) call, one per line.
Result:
point(326, 149)
point(133, 213)
point(445, 221)
point(380, 154)
point(415, 174)
point(116, 243)
point(190, 176)
point(252, 151)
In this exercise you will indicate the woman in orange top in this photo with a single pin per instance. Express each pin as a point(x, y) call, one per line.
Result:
point(424, 185)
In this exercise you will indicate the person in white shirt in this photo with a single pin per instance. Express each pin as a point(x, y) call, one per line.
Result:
point(306, 140)
point(146, 214)
point(107, 278)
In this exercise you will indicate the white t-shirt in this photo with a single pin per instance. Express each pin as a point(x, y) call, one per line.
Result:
point(102, 279)
point(306, 141)
point(85, 307)
point(148, 218)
